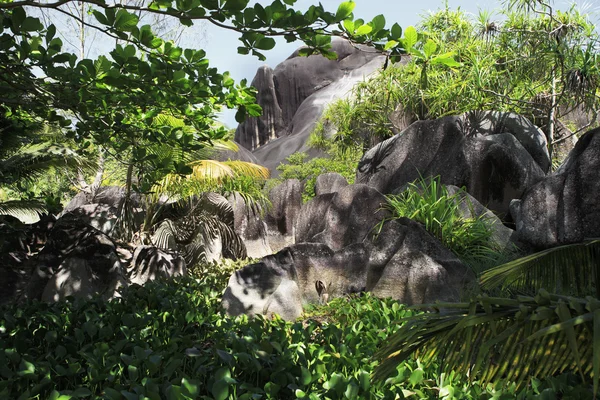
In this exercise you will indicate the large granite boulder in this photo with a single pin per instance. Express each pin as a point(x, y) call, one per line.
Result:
point(263, 288)
point(111, 196)
point(150, 263)
point(352, 215)
point(496, 157)
point(408, 264)
point(294, 95)
point(565, 207)
point(342, 218)
point(250, 226)
point(404, 262)
point(286, 202)
point(330, 182)
point(78, 260)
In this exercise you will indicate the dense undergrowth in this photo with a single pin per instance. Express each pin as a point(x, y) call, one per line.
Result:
point(168, 340)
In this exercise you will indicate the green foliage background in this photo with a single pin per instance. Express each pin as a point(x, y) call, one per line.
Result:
point(169, 340)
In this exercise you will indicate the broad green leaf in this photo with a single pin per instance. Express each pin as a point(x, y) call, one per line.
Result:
point(396, 31)
point(266, 43)
point(100, 17)
point(31, 24)
point(446, 59)
point(410, 38)
point(220, 389)
point(349, 26)
point(378, 23)
point(416, 377)
point(389, 45)
point(344, 10)
point(125, 21)
point(429, 48)
point(364, 30)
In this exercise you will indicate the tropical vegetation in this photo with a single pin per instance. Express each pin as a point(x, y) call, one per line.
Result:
point(168, 340)
point(536, 61)
point(148, 107)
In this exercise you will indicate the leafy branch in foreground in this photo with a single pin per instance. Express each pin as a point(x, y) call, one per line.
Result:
point(512, 340)
point(569, 269)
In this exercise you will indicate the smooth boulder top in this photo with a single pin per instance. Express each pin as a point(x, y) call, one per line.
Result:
point(494, 165)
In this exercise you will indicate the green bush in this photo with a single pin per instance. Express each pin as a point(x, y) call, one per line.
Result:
point(297, 167)
point(428, 202)
point(169, 340)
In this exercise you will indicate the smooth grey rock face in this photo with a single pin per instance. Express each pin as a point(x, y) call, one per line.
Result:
point(330, 182)
point(150, 263)
point(286, 200)
point(311, 221)
point(263, 288)
point(353, 213)
point(410, 265)
point(403, 262)
point(494, 168)
point(250, 227)
point(565, 207)
point(294, 95)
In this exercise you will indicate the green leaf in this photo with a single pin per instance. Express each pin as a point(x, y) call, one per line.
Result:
point(364, 30)
point(429, 48)
point(220, 389)
point(396, 31)
point(416, 377)
point(410, 38)
point(31, 24)
point(266, 43)
point(349, 25)
point(125, 21)
point(351, 391)
point(389, 45)
point(344, 10)
point(100, 17)
point(446, 59)
point(378, 23)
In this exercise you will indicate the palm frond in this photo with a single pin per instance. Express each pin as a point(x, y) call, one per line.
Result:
point(24, 210)
point(571, 269)
point(492, 339)
point(33, 160)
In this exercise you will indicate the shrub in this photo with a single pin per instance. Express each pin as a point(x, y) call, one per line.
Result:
point(428, 202)
point(169, 340)
point(307, 171)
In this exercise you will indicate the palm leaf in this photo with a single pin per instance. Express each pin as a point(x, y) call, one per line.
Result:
point(32, 161)
point(493, 339)
point(569, 269)
point(24, 210)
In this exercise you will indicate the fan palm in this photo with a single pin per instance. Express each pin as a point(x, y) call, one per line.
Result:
point(182, 213)
point(515, 339)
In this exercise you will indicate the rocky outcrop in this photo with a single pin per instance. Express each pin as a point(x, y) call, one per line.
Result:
point(78, 260)
point(150, 263)
point(294, 95)
point(495, 156)
point(403, 262)
point(330, 182)
point(565, 207)
point(340, 254)
point(286, 202)
point(352, 215)
point(250, 227)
